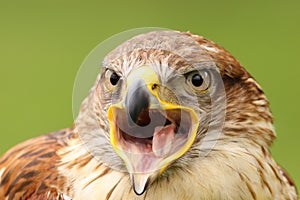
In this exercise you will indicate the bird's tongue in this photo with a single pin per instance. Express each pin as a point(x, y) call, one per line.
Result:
point(163, 138)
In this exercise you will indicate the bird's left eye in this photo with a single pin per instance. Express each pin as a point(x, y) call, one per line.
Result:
point(199, 81)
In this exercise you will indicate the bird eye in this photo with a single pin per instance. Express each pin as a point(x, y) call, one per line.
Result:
point(111, 78)
point(114, 78)
point(199, 81)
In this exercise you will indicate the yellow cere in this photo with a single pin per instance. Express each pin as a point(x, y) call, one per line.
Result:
point(146, 73)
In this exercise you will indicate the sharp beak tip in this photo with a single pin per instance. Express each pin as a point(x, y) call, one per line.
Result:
point(140, 183)
point(139, 192)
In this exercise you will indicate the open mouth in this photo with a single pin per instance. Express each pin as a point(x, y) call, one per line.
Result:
point(149, 132)
point(156, 132)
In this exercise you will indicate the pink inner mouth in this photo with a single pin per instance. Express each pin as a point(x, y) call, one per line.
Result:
point(157, 133)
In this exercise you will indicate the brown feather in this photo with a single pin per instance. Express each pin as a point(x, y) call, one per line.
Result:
point(30, 168)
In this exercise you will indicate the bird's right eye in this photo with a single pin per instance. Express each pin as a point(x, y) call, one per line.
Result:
point(114, 78)
point(111, 78)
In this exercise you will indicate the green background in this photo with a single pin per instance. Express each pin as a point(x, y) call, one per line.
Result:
point(42, 45)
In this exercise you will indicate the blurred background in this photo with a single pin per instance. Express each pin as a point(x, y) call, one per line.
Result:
point(43, 43)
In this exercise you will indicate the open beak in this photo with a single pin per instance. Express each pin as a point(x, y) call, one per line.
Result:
point(147, 132)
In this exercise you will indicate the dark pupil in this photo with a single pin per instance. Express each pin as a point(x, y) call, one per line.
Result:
point(197, 80)
point(114, 78)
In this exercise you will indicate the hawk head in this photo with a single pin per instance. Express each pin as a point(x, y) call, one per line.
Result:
point(164, 99)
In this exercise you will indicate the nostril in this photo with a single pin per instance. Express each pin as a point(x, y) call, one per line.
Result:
point(154, 86)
